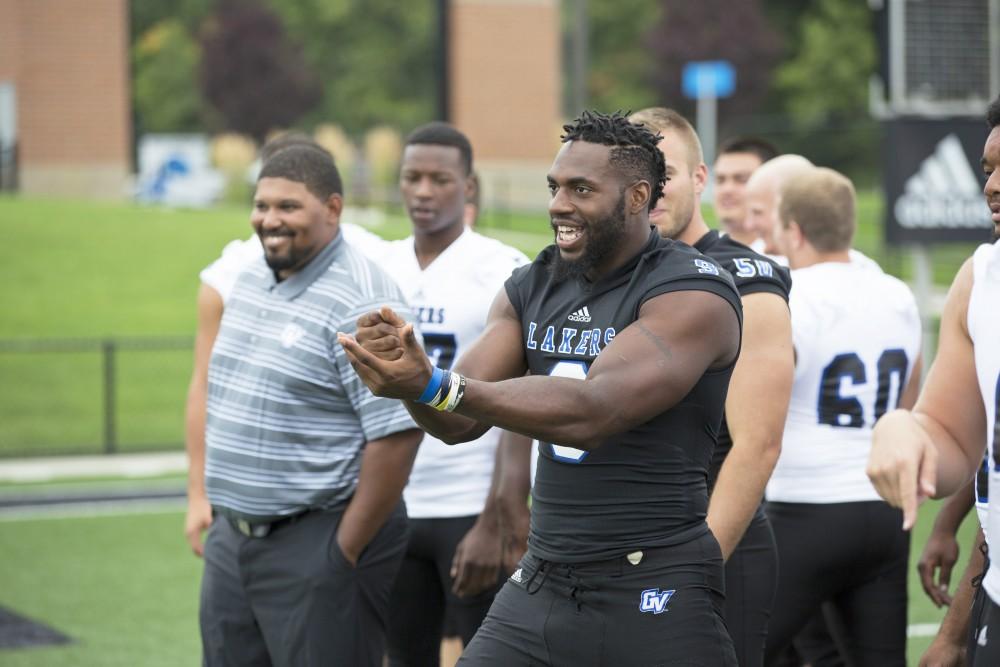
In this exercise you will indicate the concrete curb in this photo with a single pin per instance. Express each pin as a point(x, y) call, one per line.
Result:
point(45, 469)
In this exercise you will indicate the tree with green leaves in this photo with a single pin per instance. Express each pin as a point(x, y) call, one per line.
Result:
point(714, 30)
point(374, 58)
point(252, 73)
point(164, 82)
point(829, 73)
point(621, 63)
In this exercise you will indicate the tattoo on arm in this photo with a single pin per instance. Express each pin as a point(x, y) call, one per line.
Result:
point(660, 344)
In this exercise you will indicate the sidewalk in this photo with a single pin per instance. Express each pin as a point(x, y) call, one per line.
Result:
point(45, 469)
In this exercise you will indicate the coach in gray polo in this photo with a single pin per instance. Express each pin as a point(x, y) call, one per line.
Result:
point(304, 466)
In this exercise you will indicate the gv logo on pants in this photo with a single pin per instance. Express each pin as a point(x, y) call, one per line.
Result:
point(654, 600)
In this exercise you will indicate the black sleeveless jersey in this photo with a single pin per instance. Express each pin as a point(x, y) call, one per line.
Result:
point(753, 273)
point(644, 487)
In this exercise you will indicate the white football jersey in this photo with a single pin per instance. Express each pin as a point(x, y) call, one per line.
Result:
point(221, 274)
point(856, 333)
point(983, 321)
point(451, 299)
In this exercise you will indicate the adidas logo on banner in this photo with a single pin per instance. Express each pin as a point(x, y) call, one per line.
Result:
point(944, 192)
point(582, 315)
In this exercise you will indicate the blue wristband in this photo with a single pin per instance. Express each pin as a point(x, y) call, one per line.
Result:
point(437, 377)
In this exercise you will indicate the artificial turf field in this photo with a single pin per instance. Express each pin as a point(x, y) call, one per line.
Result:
point(124, 586)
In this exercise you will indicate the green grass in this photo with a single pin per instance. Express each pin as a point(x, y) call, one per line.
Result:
point(125, 587)
point(95, 270)
point(89, 270)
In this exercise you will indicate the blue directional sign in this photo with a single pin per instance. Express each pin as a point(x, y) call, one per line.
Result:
point(708, 78)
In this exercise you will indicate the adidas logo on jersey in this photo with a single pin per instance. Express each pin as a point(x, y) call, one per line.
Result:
point(582, 315)
point(516, 577)
point(944, 192)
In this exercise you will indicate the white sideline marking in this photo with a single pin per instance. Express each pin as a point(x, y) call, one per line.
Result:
point(922, 629)
point(45, 469)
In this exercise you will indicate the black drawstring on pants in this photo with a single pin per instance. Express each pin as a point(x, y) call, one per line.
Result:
point(543, 569)
point(578, 587)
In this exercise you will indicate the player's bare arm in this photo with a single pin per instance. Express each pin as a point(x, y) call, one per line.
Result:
point(480, 555)
point(648, 367)
point(513, 489)
point(941, 550)
point(385, 467)
point(199, 512)
point(755, 411)
point(948, 647)
point(933, 450)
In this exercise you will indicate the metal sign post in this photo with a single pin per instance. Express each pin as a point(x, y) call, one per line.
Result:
point(706, 81)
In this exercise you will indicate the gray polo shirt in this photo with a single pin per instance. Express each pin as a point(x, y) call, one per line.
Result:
point(288, 417)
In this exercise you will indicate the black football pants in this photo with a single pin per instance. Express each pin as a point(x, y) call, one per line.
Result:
point(664, 610)
point(422, 595)
point(853, 555)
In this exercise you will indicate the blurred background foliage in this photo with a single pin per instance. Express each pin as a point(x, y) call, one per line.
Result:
point(802, 67)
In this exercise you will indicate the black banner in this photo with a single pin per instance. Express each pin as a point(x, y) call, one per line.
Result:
point(934, 182)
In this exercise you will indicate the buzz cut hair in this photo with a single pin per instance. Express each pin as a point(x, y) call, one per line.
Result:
point(634, 149)
point(993, 114)
point(762, 148)
point(662, 120)
point(822, 203)
point(305, 164)
point(444, 134)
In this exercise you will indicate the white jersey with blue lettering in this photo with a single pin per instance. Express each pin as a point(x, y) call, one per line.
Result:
point(856, 333)
point(983, 321)
point(451, 298)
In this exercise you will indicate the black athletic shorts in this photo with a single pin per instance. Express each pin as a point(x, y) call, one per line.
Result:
point(853, 555)
point(422, 598)
point(666, 609)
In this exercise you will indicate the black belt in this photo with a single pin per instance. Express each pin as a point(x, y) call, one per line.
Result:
point(265, 528)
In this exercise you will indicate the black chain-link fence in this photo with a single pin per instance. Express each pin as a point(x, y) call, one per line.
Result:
point(93, 395)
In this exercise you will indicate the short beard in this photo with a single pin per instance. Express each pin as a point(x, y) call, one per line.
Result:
point(604, 236)
point(278, 264)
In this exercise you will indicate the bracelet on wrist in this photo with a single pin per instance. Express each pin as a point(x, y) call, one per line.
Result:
point(447, 394)
point(432, 390)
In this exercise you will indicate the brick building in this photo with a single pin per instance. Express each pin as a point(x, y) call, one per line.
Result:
point(64, 73)
point(505, 90)
point(65, 94)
